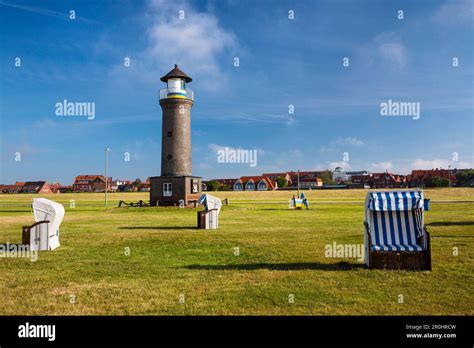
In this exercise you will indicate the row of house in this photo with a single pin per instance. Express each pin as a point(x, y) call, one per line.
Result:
point(30, 187)
point(96, 183)
point(82, 183)
point(422, 177)
point(264, 182)
point(417, 178)
point(351, 179)
point(378, 180)
point(269, 181)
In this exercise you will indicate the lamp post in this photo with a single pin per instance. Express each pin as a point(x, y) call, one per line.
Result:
point(106, 174)
point(449, 176)
point(298, 185)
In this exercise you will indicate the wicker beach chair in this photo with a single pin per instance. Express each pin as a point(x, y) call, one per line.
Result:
point(395, 236)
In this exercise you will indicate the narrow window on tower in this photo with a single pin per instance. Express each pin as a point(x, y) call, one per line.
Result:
point(167, 189)
point(169, 134)
point(183, 85)
point(169, 157)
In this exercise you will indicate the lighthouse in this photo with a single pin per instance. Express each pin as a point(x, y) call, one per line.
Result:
point(176, 185)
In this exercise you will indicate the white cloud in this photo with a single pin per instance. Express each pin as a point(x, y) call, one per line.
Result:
point(240, 116)
point(439, 163)
point(344, 165)
point(348, 141)
point(455, 12)
point(381, 167)
point(195, 43)
point(341, 142)
point(385, 50)
point(391, 49)
point(198, 44)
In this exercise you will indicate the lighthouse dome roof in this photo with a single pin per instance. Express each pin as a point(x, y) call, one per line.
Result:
point(176, 72)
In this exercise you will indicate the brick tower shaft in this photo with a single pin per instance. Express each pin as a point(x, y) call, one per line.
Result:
point(176, 156)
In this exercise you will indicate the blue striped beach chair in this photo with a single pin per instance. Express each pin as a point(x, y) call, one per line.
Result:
point(395, 235)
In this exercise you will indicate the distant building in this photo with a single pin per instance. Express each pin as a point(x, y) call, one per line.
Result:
point(65, 189)
point(362, 180)
point(36, 187)
point(340, 175)
point(29, 187)
point(274, 176)
point(387, 180)
point(144, 187)
point(419, 178)
point(11, 188)
point(311, 183)
point(378, 180)
point(115, 184)
point(55, 187)
point(91, 183)
point(305, 175)
point(255, 183)
point(127, 187)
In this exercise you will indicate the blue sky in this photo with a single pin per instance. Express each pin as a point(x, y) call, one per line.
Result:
point(282, 62)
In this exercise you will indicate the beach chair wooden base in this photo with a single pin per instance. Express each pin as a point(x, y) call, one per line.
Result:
point(26, 231)
point(40, 233)
point(413, 260)
point(400, 260)
point(207, 219)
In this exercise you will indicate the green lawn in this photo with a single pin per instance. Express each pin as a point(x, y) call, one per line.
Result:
point(281, 254)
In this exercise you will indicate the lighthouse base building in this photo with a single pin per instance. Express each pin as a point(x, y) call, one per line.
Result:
point(176, 185)
point(174, 190)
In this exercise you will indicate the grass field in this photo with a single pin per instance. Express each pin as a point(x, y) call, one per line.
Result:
point(281, 257)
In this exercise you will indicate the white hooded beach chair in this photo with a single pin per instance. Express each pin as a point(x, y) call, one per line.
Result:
point(209, 218)
point(395, 235)
point(44, 233)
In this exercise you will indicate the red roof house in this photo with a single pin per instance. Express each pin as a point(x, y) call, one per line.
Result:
point(255, 183)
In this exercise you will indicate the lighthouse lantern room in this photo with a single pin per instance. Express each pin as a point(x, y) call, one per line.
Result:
point(176, 85)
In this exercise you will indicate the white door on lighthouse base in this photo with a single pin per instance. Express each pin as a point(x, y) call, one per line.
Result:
point(167, 189)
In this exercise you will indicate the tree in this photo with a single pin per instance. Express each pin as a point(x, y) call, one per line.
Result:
point(224, 187)
point(443, 182)
point(212, 185)
point(326, 177)
point(437, 181)
point(137, 183)
point(282, 182)
point(464, 176)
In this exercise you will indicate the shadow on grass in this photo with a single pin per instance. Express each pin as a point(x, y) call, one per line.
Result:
point(340, 266)
point(158, 228)
point(451, 223)
point(452, 236)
